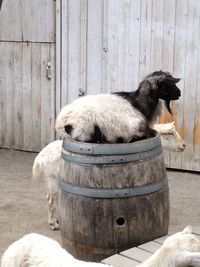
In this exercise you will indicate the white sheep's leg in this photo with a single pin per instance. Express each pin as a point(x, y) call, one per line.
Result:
point(179, 140)
point(52, 211)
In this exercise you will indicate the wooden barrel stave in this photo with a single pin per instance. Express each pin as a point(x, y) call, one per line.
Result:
point(95, 228)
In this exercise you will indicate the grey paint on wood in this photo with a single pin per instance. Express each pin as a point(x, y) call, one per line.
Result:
point(27, 91)
point(126, 41)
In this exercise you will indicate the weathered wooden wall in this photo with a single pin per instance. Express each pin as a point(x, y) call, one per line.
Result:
point(111, 45)
point(102, 46)
point(27, 95)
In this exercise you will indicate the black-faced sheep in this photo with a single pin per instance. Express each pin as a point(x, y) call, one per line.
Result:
point(46, 166)
point(33, 250)
point(121, 116)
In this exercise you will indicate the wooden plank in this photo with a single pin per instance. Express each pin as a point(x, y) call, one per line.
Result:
point(52, 20)
point(11, 21)
point(105, 46)
point(94, 47)
point(168, 56)
point(36, 96)
point(161, 239)
point(9, 87)
point(196, 129)
point(18, 89)
point(58, 59)
point(123, 46)
point(2, 95)
point(180, 34)
point(120, 261)
point(157, 34)
point(137, 254)
point(73, 52)
point(52, 117)
point(63, 43)
point(113, 39)
point(134, 48)
point(46, 94)
point(190, 76)
point(22, 20)
point(150, 246)
point(27, 96)
point(145, 38)
point(37, 13)
point(83, 48)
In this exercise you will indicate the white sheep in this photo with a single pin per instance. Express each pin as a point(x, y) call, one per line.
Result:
point(171, 139)
point(121, 116)
point(33, 250)
point(179, 250)
point(46, 166)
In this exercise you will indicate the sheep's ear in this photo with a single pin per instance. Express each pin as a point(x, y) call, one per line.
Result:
point(169, 79)
point(187, 229)
point(173, 80)
point(145, 87)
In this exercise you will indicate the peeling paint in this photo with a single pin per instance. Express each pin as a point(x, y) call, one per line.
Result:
point(196, 133)
point(183, 130)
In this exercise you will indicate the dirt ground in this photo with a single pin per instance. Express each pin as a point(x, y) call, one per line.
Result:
point(23, 208)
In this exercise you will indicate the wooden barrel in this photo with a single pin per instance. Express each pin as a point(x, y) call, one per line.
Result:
point(112, 197)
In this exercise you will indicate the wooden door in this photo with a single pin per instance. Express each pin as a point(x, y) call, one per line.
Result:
point(27, 74)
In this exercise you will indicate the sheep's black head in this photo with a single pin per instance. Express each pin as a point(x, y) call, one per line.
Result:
point(166, 87)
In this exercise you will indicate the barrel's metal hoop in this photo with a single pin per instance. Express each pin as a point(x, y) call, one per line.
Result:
point(113, 192)
point(112, 159)
point(112, 149)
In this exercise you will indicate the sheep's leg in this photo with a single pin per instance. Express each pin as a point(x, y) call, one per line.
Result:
point(52, 207)
point(179, 140)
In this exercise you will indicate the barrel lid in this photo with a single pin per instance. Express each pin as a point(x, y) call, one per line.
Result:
point(112, 149)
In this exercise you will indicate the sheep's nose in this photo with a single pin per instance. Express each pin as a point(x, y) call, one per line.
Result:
point(182, 147)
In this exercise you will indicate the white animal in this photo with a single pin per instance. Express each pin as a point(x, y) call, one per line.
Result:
point(46, 166)
point(121, 116)
point(33, 250)
point(179, 250)
point(171, 139)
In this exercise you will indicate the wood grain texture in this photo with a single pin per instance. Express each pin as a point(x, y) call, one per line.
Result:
point(27, 95)
point(27, 44)
point(129, 39)
point(22, 20)
point(108, 226)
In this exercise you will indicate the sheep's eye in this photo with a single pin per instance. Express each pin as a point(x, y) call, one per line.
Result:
point(68, 128)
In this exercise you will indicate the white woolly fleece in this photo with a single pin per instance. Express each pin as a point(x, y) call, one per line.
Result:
point(114, 115)
point(34, 250)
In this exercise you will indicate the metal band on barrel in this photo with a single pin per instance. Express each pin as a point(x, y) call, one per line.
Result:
point(113, 193)
point(111, 149)
point(112, 159)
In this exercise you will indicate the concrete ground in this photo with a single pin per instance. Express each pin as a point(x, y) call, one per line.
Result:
point(23, 208)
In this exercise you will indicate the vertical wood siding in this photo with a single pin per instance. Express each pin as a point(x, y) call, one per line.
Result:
point(27, 95)
point(27, 20)
point(111, 45)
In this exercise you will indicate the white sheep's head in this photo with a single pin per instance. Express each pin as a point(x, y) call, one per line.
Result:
point(164, 86)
